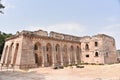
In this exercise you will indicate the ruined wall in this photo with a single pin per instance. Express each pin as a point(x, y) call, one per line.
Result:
point(37, 49)
point(101, 49)
point(89, 55)
point(56, 35)
point(41, 33)
point(64, 36)
point(27, 56)
point(12, 52)
point(109, 49)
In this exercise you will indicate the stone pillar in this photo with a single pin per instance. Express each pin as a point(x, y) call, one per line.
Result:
point(6, 60)
point(13, 52)
point(61, 54)
point(44, 55)
point(3, 54)
point(75, 53)
point(53, 54)
point(68, 51)
point(43, 48)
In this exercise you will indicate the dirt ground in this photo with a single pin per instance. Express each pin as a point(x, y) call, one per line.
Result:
point(89, 72)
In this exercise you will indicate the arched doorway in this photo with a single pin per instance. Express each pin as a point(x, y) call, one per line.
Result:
point(15, 54)
point(6, 50)
point(58, 56)
point(9, 54)
point(72, 56)
point(78, 54)
point(38, 54)
point(49, 54)
point(65, 56)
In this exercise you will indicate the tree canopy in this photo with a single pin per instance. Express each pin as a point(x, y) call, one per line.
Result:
point(3, 36)
point(1, 7)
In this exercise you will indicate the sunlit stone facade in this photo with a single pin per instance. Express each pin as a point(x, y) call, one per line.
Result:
point(38, 49)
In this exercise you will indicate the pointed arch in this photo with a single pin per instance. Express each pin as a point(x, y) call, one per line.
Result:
point(49, 54)
point(72, 56)
point(58, 56)
point(86, 47)
point(15, 54)
point(38, 54)
point(78, 54)
point(10, 54)
point(6, 50)
point(65, 55)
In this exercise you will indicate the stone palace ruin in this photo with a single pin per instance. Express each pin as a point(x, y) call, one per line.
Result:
point(38, 49)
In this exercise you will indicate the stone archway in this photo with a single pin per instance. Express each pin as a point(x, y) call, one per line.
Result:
point(65, 56)
point(72, 56)
point(49, 54)
point(15, 54)
point(78, 54)
point(5, 53)
point(9, 54)
point(38, 54)
point(58, 56)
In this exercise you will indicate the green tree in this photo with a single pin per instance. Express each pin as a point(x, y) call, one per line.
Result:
point(1, 7)
point(3, 36)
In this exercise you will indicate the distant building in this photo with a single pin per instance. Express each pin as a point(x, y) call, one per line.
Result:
point(118, 55)
point(37, 49)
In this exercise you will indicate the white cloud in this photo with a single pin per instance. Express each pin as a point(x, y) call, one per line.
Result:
point(68, 28)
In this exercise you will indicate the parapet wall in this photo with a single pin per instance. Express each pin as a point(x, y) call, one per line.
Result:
point(64, 36)
point(56, 35)
point(61, 36)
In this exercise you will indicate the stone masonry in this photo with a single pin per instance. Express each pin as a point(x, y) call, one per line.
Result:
point(37, 49)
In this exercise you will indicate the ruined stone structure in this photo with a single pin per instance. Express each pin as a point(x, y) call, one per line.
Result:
point(38, 49)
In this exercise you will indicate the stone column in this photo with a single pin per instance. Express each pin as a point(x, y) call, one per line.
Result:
point(44, 55)
point(6, 60)
point(53, 54)
point(13, 52)
point(75, 53)
point(68, 52)
point(3, 55)
point(43, 48)
point(61, 54)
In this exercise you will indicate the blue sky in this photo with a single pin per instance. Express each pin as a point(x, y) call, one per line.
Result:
point(75, 17)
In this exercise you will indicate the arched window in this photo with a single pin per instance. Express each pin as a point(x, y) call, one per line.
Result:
point(57, 47)
point(36, 58)
point(58, 56)
point(49, 54)
point(72, 56)
point(35, 47)
point(96, 54)
point(107, 55)
point(96, 44)
point(86, 47)
point(78, 54)
point(38, 54)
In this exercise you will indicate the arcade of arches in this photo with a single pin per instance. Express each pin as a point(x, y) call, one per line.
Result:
point(47, 54)
point(56, 55)
point(38, 49)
